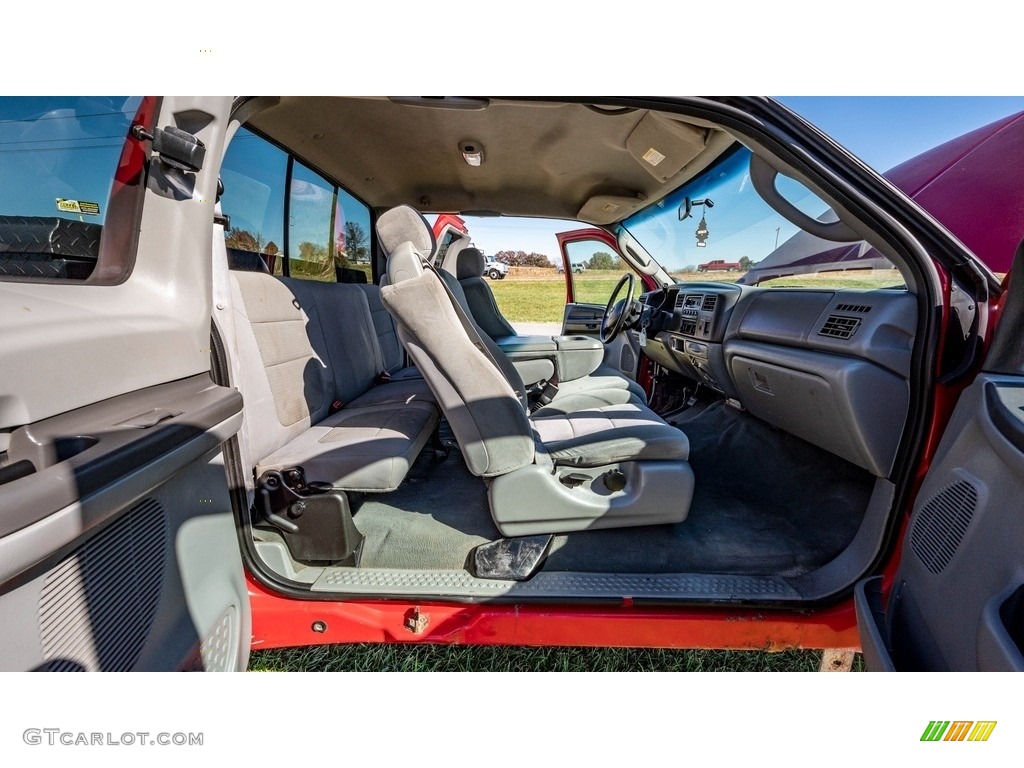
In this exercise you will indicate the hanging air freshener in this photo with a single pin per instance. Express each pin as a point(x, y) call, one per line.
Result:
point(702, 233)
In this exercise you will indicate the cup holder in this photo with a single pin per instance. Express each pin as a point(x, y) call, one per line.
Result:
point(66, 447)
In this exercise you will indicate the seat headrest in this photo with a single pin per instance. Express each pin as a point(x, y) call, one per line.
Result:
point(404, 224)
point(404, 263)
point(470, 263)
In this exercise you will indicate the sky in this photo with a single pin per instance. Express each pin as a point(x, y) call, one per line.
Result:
point(883, 131)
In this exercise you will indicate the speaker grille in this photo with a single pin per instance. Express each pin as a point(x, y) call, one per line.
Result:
point(941, 524)
point(97, 606)
point(626, 360)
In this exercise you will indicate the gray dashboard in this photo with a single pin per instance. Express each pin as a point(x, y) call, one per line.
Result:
point(830, 366)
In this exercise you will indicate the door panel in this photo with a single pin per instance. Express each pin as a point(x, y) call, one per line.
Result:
point(118, 547)
point(956, 600)
point(592, 267)
point(155, 588)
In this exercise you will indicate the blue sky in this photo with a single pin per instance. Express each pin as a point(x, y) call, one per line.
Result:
point(886, 130)
point(883, 131)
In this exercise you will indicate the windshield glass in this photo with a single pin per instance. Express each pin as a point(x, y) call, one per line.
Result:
point(718, 227)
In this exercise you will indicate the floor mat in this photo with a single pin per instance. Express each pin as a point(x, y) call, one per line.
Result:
point(765, 502)
point(433, 520)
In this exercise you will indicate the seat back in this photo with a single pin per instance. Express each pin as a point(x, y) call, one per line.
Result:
point(286, 384)
point(469, 269)
point(484, 409)
point(384, 326)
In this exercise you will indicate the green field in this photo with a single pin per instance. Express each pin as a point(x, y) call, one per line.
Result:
point(542, 300)
point(539, 297)
point(499, 658)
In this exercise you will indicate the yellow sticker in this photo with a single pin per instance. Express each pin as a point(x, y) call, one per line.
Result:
point(653, 156)
point(78, 206)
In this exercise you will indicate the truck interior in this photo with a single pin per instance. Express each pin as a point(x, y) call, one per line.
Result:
point(687, 442)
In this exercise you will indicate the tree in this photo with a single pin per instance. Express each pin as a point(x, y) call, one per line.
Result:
point(244, 240)
point(745, 263)
point(312, 251)
point(604, 260)
point(313, 262)
point(357, 248)
point(523, 259)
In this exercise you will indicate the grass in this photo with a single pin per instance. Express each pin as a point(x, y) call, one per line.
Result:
point(498, 658)
point(538, 296)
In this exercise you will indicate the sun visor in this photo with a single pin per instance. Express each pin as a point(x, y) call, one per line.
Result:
point(663, 146)
point(606, 209)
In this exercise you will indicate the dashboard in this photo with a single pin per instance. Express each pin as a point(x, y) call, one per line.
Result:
point(686, 329)
point(830, 366)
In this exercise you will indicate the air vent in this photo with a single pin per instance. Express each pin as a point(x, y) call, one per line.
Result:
point(862, 309)
point(839, 327)
point(941, 524)
point(680, 299)
point(97, 606)
point(710, 302)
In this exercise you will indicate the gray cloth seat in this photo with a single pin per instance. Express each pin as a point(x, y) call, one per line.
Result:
point(305, 349)
point(602, 467)
point(574, 396)
point(469, 268)
point(368, 448)
point(608, 435)
point(391, 348)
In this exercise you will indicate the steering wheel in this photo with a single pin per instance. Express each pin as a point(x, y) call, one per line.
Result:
point(616, 314)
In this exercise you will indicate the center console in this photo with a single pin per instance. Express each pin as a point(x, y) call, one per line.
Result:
point(540, 358)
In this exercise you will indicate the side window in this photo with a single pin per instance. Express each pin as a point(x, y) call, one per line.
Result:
point(595, 270)
point(327, 232)
point(59, 158)
point(353, 257)
point(254, 173)
point(313, 238)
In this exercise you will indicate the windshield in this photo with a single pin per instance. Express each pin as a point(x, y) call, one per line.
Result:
point(718, 227)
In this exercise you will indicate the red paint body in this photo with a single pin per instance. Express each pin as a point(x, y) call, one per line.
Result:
point(280, 622)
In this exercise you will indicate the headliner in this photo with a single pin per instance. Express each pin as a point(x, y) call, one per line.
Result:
point(539, 159)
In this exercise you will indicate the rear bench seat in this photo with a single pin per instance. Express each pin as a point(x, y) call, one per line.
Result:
point(387, 336)
point(309, 366)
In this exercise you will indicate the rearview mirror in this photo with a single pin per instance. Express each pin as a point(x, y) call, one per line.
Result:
point(685, 209)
